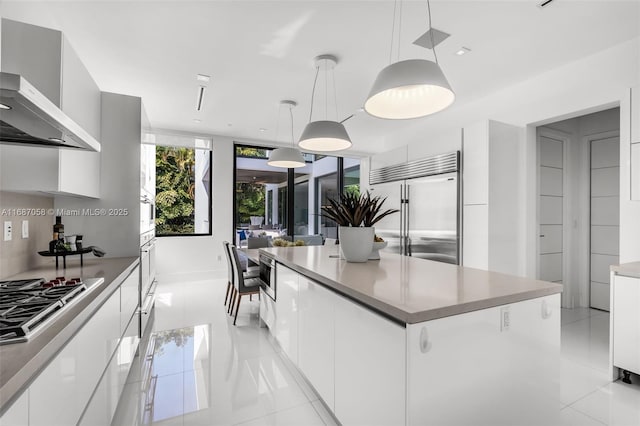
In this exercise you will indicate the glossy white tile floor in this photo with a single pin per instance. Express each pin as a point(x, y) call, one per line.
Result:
point(208, 372)
point(205, 371)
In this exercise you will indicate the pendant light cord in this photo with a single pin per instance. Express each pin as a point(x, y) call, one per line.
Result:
point(399, 31)
point(431, 32)
point(313, 92)
point(393, 30)
point(278, 122)
point(291, 115)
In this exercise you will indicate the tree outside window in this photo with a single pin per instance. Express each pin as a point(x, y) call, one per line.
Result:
point(183, 191)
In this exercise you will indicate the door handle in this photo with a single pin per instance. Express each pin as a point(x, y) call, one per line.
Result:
point(425, 344)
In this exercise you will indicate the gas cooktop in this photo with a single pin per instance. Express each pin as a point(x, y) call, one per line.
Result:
point(28, 306)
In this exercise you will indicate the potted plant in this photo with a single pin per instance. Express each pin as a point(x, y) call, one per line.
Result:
point(355, 215)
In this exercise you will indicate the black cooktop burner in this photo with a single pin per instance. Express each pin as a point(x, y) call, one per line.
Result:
point(26, 304)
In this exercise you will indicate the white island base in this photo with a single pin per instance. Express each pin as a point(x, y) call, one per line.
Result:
point(493, 366)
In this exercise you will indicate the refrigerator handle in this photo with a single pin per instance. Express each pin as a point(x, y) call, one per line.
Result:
point(401, 219)
point(406, 221)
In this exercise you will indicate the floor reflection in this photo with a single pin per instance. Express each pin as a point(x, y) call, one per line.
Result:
point(177, 379)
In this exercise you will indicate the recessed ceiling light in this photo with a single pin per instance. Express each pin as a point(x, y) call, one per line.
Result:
point(203, 77)
point(462, 51)
point(3, 106)
point(262, 129)
point(197, 120)
point(56, 140)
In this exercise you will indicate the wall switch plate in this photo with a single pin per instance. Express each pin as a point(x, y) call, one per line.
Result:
point(505, 318)
point(25, 229)
point(7, 230)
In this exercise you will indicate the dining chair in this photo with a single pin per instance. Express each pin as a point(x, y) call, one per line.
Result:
point(243, 285)
point(247, 271)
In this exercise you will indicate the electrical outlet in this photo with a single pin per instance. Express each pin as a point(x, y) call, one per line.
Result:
point(505, 318)
point(7, 230)
point(25, 229)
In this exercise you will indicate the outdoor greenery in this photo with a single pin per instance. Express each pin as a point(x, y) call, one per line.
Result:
point(250, 197)
point(250, 201)
point(243, 151)
point(175, 190)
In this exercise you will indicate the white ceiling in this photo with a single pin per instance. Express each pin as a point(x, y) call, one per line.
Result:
point(259, 52)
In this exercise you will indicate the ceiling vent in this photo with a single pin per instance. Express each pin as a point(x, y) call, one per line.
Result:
point(425, 40)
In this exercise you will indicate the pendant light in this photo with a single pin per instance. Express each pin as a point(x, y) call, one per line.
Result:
point(288, 158)
point(411, 88)
point(324, 135)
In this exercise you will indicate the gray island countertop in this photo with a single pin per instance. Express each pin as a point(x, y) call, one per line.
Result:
point(20, 363)
point(410, 290)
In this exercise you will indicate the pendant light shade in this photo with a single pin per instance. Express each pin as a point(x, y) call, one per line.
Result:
point(325, 136)
point(289, 157)
point(409, 89)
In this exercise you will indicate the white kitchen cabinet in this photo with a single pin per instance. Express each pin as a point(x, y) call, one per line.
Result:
point(635, 114)
point(96, 343)
point(625, 311)
point(59, 171)
point(129, 295)
point(316, 337)
point(491, 174)
point(45, 58)
point(635, 171)
point(285, 328)
point(52, 393)
point(104, 401)
point(98, 357)
point(370, 367)
point(18, 413)
point(474, 357)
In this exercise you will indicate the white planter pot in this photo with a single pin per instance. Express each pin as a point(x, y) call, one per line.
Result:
point(356, 242)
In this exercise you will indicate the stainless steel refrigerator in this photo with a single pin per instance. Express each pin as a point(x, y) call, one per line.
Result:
point(427, 193)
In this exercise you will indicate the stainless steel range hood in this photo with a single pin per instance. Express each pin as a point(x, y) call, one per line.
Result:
point(27, 117)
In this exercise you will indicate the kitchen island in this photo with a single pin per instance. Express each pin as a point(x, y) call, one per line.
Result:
point(411, 341)
point(67, 345)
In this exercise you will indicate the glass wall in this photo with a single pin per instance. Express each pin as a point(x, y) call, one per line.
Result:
point(262, 200)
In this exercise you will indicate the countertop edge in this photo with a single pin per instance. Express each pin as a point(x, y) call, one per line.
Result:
point(403, 318)
point(22, 379)
point(631, 269)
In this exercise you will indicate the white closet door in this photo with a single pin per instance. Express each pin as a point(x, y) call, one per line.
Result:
point(550, 201)
point(605, 216)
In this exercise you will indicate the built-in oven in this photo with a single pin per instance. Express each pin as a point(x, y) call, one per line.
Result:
point(148, 281)
point(268, 275)
point(147, 213)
